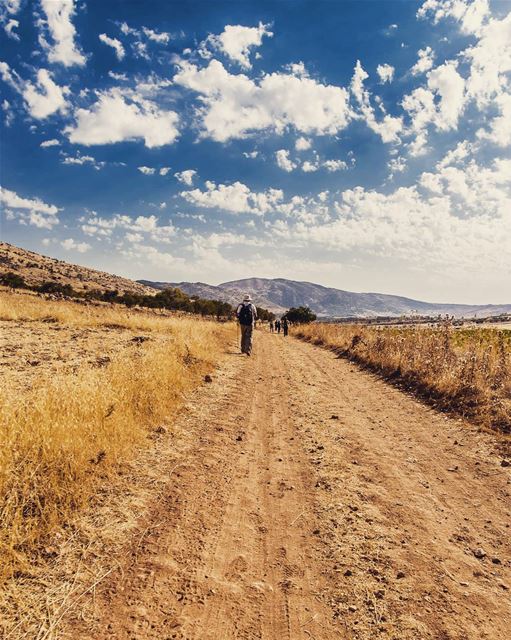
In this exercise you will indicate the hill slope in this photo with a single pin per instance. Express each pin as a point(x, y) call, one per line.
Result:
point(279, 294)
point(36, 269)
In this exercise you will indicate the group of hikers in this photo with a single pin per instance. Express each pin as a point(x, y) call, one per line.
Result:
point(246, 314)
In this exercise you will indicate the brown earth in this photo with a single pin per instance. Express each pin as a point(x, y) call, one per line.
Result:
point(306, 499)
point(36, 268)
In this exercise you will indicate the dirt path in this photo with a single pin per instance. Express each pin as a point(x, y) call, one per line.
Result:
point(316, 502)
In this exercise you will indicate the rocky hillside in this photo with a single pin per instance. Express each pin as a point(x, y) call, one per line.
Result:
point(279, 294)
point(36, 269)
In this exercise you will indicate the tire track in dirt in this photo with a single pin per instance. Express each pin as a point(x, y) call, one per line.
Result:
point(317, 502)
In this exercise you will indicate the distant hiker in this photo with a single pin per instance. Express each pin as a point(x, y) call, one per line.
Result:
point(247, 315)
point(285, 325)
point(271, 326)
point(277, 326)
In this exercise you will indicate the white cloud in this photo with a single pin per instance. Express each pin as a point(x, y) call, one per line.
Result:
point(156, 36)
point(9, 28)
point(386, 72)
point(119, 116)
point(335, 165)
point(234, 198)
point(147, 171)
point(251, 154)
point(47, 98)
point(118, 77)
point(236, 42)
point(471, 15)
point(62, 31)
point(500, 126)
point(390, 127)
point(29, 211)
point(79, 159)
point(186, 177)
point(303, 144)
point(13, 200)
point(163, 171)
point(309, 167)
point(115, 44)
point(50, 143)
point(235, 106)
point(424, 62)
point(9, 113)
point(72, 245)
point(283, 160)
point(446, 82)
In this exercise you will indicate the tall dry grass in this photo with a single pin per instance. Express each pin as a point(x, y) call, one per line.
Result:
point(62, 435)
point(24, 306)
point(467, 371)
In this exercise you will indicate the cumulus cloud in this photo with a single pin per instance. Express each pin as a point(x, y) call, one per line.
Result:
point(50, 143)
point(386, 72)
point(156, 36)
point(283, 160)
point(147, 171)
point(29, 211)
point(115, 44)
point(424, 62)
point(236, 42)
point(118, 116)
point(234, 106)
point(62, 32)
point(9, 27)
point(186, 177)
point(46, 98)
point(163, 171)
point(470, 15)
point(234, 198)
point(303, 144)
point(309, 167)
point(335, 165)
point(72, 245)
point(80, 160)
point(389, 127)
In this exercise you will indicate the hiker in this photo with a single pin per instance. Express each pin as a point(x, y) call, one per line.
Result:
point(277, 326)
point(271, 326)
point(285, 325)
point(247, 315)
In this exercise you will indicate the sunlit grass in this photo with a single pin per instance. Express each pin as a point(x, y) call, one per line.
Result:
point(64, 432)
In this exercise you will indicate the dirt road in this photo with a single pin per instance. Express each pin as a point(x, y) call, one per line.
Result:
point(314, 502)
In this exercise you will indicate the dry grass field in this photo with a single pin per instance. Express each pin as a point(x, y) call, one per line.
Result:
point(82, 386)
point(465, 370)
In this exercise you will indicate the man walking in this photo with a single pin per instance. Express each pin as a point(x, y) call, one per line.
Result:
point(247, 315)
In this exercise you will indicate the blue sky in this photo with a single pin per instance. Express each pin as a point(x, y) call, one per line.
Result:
point(360, 145)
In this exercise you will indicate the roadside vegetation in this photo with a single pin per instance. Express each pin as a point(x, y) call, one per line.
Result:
point(64, 433)
point(466, 371)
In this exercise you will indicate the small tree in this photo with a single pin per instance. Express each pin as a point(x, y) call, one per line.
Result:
point(13, 280)
point(300, 315)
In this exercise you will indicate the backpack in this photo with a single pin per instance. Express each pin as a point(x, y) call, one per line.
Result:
point(246, 315)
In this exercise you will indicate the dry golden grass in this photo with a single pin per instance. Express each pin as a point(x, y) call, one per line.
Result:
point(467, 371)
point(24, 306)
point(64, 432)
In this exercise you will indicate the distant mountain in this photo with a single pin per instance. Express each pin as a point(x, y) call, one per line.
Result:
point(279, 294)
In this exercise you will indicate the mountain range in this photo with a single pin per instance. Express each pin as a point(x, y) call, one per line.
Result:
point(279, 294)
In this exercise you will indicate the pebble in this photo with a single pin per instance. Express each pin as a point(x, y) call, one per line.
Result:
point(479, 553)
point(208, 378)
point(505, 463)
point(352, 608)
point(400, 574)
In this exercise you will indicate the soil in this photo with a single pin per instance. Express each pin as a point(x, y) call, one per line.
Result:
point(32, 351)
point(311, 500)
